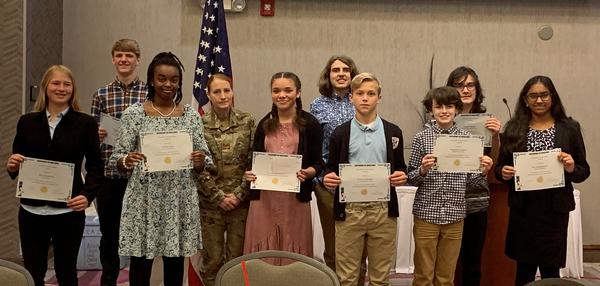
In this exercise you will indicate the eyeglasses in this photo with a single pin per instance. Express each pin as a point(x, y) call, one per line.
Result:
point(544, 96)
point(459, 86)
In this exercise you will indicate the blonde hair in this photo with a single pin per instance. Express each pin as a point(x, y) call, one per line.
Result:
point(126, 45)
point(364, 77)
point(42, 100)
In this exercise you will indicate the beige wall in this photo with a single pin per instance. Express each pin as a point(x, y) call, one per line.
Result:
point(394, 39)
point(11, 57)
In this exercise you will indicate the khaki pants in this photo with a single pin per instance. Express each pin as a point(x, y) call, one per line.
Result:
point(366, 224)
point(216, 251)
point(436, 252)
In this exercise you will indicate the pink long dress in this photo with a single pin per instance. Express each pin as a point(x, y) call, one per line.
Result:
point(279, 221)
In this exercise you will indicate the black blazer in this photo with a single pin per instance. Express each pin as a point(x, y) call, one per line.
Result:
point(75, 137)
point(309, 146)
point(568, 137)
point(339, 154)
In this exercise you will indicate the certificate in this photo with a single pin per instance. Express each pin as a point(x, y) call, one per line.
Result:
point(365, 182)
point(474, 123)
point(458, 153)
point(276, 172)
point(167, 150)
point(538, 170)
point(45, 180)
point(112, 125)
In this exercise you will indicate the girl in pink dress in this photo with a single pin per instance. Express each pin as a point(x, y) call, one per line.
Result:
point(282, 220)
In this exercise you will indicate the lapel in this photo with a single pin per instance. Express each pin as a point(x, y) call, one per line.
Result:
point(558, 137)
point(42, 121)
point(389, 149)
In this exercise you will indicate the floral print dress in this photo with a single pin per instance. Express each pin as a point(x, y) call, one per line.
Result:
point(160, 215)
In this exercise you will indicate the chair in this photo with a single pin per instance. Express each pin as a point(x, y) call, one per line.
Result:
point(554, 282)
point(14, 274)
point(303, 271)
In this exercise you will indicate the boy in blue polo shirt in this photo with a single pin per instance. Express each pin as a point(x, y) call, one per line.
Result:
point(367, 138)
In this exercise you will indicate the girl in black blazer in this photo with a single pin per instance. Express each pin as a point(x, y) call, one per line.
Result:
point(57, 131)
point(538, 220)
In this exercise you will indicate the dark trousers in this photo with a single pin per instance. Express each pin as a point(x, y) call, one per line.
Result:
point(526, 272)
point(64, 231)
point(140, 270)
point(472, 246)
point(109, 201)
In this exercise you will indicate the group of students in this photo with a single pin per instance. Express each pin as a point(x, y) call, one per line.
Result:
point(173, 214)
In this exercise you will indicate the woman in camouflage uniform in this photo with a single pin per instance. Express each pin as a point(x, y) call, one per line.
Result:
point(223, 208)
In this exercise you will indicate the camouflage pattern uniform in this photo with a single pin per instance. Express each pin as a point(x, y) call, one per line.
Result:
point(230, 143)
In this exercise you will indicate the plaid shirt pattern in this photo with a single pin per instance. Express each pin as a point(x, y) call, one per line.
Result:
point(440, 197)
point(113, 99)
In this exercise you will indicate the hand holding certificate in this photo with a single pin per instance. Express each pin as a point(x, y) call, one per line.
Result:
point(365, 182)
point(276, 172)
point(111, 125)
point(538, 170)
point(167, 150)
point(45, 180)
point(458, 153)
point(474, 123)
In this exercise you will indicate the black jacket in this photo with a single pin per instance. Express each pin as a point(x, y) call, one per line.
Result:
point(568, 137)
point(75, 137)
point(338, 154)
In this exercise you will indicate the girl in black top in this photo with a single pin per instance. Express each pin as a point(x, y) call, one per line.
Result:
point(538, 220)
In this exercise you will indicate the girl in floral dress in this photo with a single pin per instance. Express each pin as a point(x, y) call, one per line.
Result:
point(160, 214)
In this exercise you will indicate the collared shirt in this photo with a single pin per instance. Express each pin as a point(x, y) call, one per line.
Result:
point(230, 143)
point(48, 210)
point(367, 142)
point(440, 197)
point(331, 112)
point(53, 124)
point(113, 99)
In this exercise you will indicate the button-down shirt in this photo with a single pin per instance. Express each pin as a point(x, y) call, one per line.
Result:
point(331, 112)
point(113, 99)
point(440, 197)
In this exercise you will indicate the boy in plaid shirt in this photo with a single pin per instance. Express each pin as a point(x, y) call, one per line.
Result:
point(439, 206)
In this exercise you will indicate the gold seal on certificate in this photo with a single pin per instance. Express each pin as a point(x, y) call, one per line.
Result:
point(458, 153)
point(276, 172)
point(167, 150)
point(538, 170)
point(45, 180)
point(474, 123)
point(365, 182)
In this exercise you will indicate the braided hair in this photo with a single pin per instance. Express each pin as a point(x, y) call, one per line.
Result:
point(169, 59)
point(270, 125)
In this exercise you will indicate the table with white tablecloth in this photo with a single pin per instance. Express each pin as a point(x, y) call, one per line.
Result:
point(405, 241)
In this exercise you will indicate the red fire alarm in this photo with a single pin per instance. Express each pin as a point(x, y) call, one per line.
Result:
point(267, 8)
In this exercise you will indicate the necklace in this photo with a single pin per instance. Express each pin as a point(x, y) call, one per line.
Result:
point(162, 114)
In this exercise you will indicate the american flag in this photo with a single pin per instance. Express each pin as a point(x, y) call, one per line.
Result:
point(213, 51)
